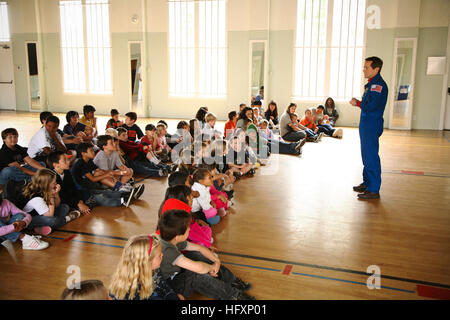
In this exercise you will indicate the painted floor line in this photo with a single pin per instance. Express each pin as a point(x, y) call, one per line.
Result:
point(337, 269)
point(434, 284)
point(424, 174)
point(90, 242)
point(93, 234)
point(348, 281)
point(250, 266)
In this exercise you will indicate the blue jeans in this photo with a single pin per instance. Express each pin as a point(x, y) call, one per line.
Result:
point(214, 220)
point(294, 136)
point(147, 168)
point(13, 173)
point(58, 219)
point(327, 129)
point(13, 236)
point(310, 133)
point(107, 198)
point(282, 147)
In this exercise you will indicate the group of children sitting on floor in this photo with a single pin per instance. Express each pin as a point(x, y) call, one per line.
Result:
point(64, 174)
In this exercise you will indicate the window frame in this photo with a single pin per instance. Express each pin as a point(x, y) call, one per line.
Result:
point(88, 91)
point(328, 47)
point(197, 95)
point(8, 24)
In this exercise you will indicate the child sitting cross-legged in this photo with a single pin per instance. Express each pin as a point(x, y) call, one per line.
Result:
point(180, 197)
point(15, 163)
point(43, 203)
point(133, 130)
point(309, 126)
point(162, 150)
point(89, 118)
point(197, 269)
point(69, 193)
point(108, 159)
point(219, 197)
point(204, 203)
point(237, 158)
point(149, 145)
point(114, 122)
point(93, 179)
point(136, 157)
point(138, 276)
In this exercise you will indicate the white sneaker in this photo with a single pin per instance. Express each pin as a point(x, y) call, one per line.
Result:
point(33, 243)
point(129, 198)
point(75, 214)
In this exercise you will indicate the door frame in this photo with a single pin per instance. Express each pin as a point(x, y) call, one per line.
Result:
point(250, 67)
point(445, 86)
point(130, 93)
point(30, 109)
point(413, 77)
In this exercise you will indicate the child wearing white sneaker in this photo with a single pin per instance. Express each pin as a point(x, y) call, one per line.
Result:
point(12, 222)
point(42, 202)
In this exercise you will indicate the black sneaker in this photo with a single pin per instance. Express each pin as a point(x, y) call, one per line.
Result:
point(241, 284)
point(299, 145)
point(244, 296)
point(138, 191)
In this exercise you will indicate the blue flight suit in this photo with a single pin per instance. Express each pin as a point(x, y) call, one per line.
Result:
point(371, 123)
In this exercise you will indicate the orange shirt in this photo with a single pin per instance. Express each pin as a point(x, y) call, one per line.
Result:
point(230, 126)
point(309, 124)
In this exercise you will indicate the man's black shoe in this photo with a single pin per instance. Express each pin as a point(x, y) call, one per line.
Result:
point(368, 195)
point(360, 188)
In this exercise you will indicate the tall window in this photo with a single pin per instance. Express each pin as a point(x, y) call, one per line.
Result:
point(86, 46)
point(329, 49)
point(197, 48)
point(4, 23)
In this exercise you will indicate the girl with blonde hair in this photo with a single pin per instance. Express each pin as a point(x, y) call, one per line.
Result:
point(137, 275)
point(42, 202)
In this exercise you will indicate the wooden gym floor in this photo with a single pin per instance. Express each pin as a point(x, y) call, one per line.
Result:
point(296, 231)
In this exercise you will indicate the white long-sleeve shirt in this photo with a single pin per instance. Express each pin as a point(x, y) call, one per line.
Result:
point(203, 202)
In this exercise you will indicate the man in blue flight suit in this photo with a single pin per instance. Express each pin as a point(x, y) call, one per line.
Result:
point(371, 123)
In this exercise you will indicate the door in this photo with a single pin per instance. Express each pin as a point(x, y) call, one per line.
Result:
point(447, 108)
point(7, 87)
